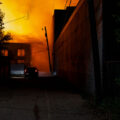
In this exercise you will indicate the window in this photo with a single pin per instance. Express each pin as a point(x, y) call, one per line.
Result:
point(4, 52)
point(21, 52)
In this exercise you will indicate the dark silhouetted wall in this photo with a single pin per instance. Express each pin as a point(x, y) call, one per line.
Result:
point(73, 48)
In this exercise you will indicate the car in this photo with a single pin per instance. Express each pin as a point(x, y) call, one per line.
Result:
point(31, 72)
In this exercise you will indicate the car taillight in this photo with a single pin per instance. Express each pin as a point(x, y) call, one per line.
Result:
point(25, 70)
point(36, 70)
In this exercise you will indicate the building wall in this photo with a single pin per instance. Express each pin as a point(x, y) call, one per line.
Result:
point(13, 52)
point(12, 57)
point(60, 19)
point(73, 49)
point(99, 26)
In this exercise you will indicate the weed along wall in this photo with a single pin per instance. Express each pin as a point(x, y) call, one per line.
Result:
point(73, 50)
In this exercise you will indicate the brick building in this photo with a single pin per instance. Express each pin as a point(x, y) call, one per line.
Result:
point(74, 48)
point(13, 53)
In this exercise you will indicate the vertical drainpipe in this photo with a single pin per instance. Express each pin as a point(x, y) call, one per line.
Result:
point(95, 49)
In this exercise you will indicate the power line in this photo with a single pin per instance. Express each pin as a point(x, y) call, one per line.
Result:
point(70, 3)
point(14, 20)
point(66, 3)
point(17, 19)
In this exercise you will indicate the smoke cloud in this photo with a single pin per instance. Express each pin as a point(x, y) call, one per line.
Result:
point(25, 20)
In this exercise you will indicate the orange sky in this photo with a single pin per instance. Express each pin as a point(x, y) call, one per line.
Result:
point(35, 14)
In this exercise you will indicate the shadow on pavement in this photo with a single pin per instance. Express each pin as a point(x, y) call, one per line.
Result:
point(52, 83)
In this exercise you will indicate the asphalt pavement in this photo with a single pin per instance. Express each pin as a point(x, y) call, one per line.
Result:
point(46, 98)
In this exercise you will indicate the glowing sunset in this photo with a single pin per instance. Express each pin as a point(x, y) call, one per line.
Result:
point(59, 59)
point(25, 19)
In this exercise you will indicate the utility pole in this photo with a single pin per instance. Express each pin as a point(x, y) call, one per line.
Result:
point(50, 67)
point(95, 49)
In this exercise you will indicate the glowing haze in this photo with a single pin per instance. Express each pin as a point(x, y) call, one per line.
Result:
point(25, 18)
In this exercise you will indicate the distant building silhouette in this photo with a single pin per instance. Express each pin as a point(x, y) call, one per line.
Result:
point(60, 19)
point(13, 53)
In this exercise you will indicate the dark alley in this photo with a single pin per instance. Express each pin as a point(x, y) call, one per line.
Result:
point(59, 60)
point(48, 98)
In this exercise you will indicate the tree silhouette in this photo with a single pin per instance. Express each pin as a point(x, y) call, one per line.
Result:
point(3, 37)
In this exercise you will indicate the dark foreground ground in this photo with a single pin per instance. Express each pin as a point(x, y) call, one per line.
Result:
point(47, 98)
